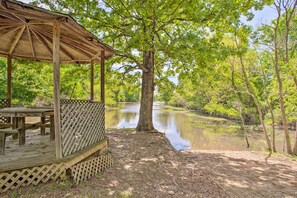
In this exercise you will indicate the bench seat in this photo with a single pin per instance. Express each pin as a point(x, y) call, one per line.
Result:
point(9, 131)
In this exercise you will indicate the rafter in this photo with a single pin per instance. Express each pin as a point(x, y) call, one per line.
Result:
point(31, 41)
point(9, 32)
point(5, 27)
point(16, 40)
point(9, 16)
point(38, 22)
point(78, 34)
point(63, 50)
point(42, 41)
point(71, 44)
point(66, 40)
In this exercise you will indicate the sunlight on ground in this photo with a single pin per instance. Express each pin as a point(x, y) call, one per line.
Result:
point(149, 159)
point(236, 183)
point(127, 166)
point(127, 192)
point(114, 183)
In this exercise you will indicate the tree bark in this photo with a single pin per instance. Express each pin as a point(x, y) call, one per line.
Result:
point(295, 145)
point(270, 110)
point(145, 122)
point(280, 87)
point(257, 103)
point(255, 99)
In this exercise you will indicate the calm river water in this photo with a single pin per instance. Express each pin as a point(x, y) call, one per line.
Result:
point(186, 130)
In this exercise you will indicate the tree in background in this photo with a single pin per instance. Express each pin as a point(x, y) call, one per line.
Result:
point(149, 34)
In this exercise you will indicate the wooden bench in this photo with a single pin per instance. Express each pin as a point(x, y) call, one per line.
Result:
point(9, 131)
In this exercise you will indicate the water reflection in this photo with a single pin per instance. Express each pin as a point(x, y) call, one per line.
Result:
point(185, 131)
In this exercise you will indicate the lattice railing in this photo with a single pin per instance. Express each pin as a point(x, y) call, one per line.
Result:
point(25, 177)
point(3, 104)
point(82, 124)
point(87, 169)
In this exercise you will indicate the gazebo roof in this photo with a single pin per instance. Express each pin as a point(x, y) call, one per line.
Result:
point(26, 32)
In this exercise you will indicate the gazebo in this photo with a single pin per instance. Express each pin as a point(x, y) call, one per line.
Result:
point(80, 145)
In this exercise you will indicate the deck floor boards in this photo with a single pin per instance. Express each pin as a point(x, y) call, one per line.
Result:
point(38, 150)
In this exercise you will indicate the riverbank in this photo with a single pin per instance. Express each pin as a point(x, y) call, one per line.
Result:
point(146, 165)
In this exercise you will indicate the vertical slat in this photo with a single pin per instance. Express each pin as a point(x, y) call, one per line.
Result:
point(56, 62)
point(92, 80)
point(102, 69)
point(9, 80)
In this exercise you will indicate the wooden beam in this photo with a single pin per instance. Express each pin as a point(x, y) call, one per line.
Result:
point(73, 39)
point(79, 47)
point(102, 75)
point(37, 22)
point(16, 40)
point(9, 80)
point(9, 16)
point(31, 41)
point(46, 37)
point(9, 32)
point(56, 63)
point(83, 35)
point(5, 27)
point(92, 80)
point(42, 41)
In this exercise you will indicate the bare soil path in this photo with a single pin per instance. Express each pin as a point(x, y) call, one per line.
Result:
point(248, 174)
point(145, 165)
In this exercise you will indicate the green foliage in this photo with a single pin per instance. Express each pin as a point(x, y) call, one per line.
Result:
point(33, 83)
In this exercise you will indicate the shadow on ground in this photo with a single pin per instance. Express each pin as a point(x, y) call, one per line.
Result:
point(247, 174)
point(145, 165)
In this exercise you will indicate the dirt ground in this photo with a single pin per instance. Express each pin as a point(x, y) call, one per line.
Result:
point(145, 165)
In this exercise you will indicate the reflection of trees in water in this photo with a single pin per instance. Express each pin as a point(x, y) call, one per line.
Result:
point(128, 116)
point(161, 118)
point(112, 118)
point(190, 133)
point(205, 138)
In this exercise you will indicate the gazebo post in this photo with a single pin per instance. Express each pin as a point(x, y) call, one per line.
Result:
point(102, 75)
point(9, 80)
point(92, 80)
point(56, 64)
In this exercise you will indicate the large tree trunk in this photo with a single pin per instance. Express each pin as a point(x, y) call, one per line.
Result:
point(145, 122)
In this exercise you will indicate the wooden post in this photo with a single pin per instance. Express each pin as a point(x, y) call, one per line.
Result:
point(22, 134)
point(92, 80)
point(9, 79)
point(42, 128)
point(56, 63)
point(102, 75)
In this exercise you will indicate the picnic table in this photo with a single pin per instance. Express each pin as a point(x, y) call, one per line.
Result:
point(18, 127)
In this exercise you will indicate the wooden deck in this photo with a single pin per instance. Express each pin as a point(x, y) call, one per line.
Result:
point(38, 150)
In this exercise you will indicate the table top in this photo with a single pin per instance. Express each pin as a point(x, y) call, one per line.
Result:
point(25, 111)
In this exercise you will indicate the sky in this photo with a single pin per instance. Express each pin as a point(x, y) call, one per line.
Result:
point(261, 17)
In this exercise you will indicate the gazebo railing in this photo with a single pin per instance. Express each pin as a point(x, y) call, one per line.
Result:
point(82, 124)
point(3, 104)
